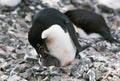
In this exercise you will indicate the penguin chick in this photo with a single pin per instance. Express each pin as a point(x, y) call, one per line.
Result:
point(41, 30)
point(49, 60)
point(90, 22)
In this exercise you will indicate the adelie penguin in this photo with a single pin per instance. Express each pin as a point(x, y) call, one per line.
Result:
point(90, 22)
point(53, 31)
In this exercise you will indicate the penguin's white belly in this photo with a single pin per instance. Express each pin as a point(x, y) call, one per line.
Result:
point(60, 44)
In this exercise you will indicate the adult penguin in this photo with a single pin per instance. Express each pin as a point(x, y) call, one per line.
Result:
point(53, 31)
point(90, 22)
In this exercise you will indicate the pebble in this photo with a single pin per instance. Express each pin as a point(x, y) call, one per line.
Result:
point(3, 77)
point(38, 7)
point(26, 74)
point(2, 16)
point(18, 59)
point(32, 7)
point(116, 78)
point(91, 75)
point(110, 3)
point(16, 78)
point(28, 17)
point(20, 56)
point(105, 9)
point(8, 3)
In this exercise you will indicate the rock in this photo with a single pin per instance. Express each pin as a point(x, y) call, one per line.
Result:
point(3, 54)
point(3, 63)
point(31, 60)
point(65, 78)
point(27, 73)
point(9, 3)
point(102, 46)
point(115, 49)
point(98, 74)
point(105, 9)
point(3, 77)
point(28, 17)
point(110, 3)
point(98, 64)
point(20, 56)
point(83, 3)
point(2, 16)
point(117, 33)
point(52, 3)
point(116, 78)
point(18, 59)
point(91, 75)
point(118, 55)
point(16, 78)
point(39, 7)
point(32, 7)
point(98, 59)
point(85, 76)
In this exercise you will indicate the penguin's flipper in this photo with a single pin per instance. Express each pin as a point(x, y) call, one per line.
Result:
point(73, 36)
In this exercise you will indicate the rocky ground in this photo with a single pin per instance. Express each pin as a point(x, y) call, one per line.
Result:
point(18, 61)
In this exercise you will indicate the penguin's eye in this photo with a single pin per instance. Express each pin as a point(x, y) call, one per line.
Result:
point(38, 45)
point(66, 22)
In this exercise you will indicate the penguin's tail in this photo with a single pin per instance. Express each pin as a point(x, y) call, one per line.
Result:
point(108, 36)
point(112, 40)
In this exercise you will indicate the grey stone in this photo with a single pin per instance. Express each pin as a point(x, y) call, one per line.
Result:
point(91, 75)
point(16, 78)
point(27, 73)
point(18, 59)
point(21, 56)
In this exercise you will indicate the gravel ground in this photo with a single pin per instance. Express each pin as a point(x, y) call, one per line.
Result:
point(18, 61)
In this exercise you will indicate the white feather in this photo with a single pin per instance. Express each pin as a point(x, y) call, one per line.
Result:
point(84, 35)
point(59, 44)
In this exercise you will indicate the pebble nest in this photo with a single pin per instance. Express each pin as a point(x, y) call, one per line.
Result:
point(18, 61)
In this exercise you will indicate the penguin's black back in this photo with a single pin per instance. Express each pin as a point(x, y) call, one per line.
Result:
point(90, 22)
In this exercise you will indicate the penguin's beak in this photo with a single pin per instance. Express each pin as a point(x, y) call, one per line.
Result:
point(42, 51)
point(37, 50)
